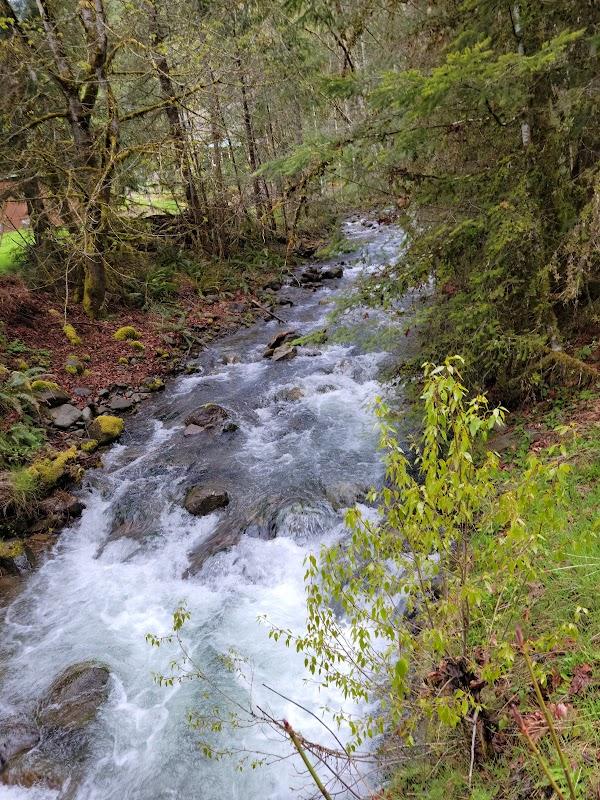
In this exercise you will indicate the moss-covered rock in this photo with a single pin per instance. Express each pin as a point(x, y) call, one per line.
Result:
point(123, 361)
point(74, 366)
point(89, 446)
point(71, 334)
point(49, 471)
point(106, 428)
point(15, 559)
point(154, 385)
point(126, 332)
point(136, 345)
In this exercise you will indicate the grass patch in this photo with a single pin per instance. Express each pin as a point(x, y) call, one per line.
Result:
point(13, 245)
point(166, 203)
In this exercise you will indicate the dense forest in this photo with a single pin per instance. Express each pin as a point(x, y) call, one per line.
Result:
point(165, 169)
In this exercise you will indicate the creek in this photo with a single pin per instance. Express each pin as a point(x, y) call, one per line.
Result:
point(305, 447)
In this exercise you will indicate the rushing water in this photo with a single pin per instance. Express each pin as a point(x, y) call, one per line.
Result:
point(119, 572)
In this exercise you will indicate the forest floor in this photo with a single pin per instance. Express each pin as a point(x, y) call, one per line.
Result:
point(563, 606)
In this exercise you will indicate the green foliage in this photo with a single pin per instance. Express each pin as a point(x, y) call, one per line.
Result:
point(18, 443)
point(449, 543)
point(17, 391)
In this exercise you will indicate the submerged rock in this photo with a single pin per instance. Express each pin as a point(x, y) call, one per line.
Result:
point(74, 697)
point(205, 498)
point(17, 735)
point(345, 494)
point(290, 395)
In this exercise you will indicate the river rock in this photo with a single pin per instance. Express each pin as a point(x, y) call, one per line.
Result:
point(290, 395)
point(58, 509)
point(121, 403)
point(330, 273)
point(53, 397)
point(281, 338)
point(65, 416)
point(15, 557)
point(17, 735)
point(284, 353)
point(209, 416)
point(205, 498)
point(345, 494)
point(72, 700)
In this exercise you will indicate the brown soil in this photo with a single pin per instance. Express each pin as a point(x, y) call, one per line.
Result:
point(37, 321)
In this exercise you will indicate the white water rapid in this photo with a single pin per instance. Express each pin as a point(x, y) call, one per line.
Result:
point(107, 584)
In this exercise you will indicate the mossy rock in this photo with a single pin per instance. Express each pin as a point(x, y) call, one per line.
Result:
point(154, 385)
point(49, 471)
point(89, 446)
point(123, 361)
point(13, 548)
point(15, 558)
point(136, 345)
point(74, 366)
point(44, 386)
point(126, 332)
point(71, 334)
point(106, 428)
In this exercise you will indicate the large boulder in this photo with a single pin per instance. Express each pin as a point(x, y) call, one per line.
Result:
point(65, 416)
point(106, 428)
point(72, 700)
point(209, 417)
point(205, 498)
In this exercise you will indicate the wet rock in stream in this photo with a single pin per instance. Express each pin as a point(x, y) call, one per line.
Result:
point(209, 417)
point(49, 748)
point(206, 498)
point(300, 517)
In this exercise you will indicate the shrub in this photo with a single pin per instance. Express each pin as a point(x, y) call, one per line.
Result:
point(396, 605)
